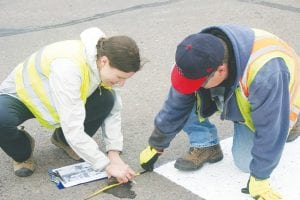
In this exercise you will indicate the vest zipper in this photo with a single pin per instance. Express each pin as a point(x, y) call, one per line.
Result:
point(225, 106)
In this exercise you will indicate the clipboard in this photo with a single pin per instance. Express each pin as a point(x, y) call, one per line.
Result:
point(75, 174)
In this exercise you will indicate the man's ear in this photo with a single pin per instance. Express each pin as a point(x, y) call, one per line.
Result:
point(222, 68)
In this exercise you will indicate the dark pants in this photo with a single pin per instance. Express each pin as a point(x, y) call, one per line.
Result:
point(13, 113)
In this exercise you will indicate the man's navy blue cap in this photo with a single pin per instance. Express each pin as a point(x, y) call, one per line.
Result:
point(197, 56)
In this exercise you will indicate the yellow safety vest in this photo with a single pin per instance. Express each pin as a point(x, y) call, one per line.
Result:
point(266, 47)
point(32, 79)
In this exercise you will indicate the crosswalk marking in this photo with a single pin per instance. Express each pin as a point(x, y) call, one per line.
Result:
point(222, 180)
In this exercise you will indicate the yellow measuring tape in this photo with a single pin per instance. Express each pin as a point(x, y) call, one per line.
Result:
point(109, 187)
point(102, 190)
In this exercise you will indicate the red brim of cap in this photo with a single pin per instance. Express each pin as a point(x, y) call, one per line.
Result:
point(184, 85)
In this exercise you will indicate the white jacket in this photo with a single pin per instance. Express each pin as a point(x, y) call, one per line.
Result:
point(64, 80)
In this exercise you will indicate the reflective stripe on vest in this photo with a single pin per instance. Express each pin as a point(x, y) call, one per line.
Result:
point(198, 107)
point(32, 83)
point(266, 47)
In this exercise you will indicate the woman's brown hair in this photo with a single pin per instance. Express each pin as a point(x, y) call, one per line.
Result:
point(121, 51)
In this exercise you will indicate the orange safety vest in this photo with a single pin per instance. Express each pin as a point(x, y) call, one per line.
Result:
point(267, 46)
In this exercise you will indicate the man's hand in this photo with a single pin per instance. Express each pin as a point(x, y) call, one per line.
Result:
point(148, 157)
point(260, 189)
point(118, 169)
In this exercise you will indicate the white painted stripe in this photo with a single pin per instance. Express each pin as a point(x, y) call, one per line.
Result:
point(223, 180)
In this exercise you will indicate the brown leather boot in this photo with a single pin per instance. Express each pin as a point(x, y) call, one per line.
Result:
point(196, 157)
point(26, 168)
point(295, 132)
point(55, 139)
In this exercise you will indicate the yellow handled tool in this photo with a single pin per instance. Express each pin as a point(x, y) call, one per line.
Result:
point(109, 187)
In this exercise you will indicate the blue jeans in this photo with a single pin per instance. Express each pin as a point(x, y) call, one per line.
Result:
point(201, 134)
point(204, 134)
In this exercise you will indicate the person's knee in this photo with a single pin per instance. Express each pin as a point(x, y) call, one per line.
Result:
point(100, 103)
point(5, 123)
point(108, 100)
point(8, 127)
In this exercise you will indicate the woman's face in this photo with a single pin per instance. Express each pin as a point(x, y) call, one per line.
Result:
point(111, 76)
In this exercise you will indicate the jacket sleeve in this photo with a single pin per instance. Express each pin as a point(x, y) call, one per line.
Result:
point(171, 118)
point(64, 83)
point(269, 98)
point(111, 127)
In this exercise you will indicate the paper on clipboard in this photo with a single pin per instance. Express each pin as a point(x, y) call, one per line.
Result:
point(75, 174)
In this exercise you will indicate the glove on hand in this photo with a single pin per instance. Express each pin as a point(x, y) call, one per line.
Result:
point(260, 189)
point(148, 157)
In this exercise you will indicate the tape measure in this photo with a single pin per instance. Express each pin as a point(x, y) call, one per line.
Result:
point(109, 187)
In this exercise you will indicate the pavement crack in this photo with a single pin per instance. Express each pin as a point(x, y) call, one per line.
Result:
point(15, 31)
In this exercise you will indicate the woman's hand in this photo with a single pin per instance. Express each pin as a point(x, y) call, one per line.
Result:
point(118, 169)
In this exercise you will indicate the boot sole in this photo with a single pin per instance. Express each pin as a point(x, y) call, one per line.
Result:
point(24, 172)
point(292, 138)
